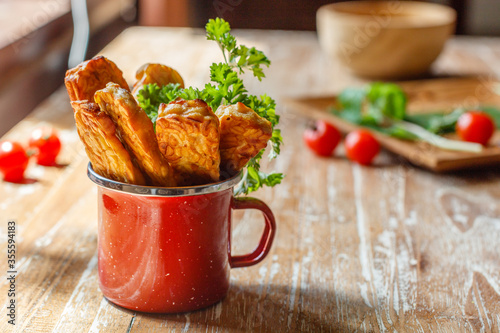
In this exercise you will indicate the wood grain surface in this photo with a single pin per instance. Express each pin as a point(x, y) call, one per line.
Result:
point(378, 249)
point(424, 96)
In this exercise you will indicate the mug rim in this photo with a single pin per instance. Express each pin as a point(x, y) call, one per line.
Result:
point(156, 191)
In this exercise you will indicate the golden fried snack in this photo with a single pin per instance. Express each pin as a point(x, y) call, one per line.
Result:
point(106, 152)
point(92, 75)
point(243, 133)
point(156, 73)
point(137, 132)
point(188, 135)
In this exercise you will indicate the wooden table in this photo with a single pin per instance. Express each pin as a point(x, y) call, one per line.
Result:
point(382, 248)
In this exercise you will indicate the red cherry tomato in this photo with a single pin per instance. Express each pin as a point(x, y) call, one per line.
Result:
point(322, 138)
point(47, 145)
point(361, 147)
point(13, 161)
point(475, 126)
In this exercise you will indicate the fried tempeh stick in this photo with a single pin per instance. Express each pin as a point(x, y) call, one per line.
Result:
point(92, 75)
point(137, 132)
point(188, 135)
point(156, 73)
point(243, 133)
point(106, 152)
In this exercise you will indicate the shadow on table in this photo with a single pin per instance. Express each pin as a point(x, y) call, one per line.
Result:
point(480, 173)
point(270, 308)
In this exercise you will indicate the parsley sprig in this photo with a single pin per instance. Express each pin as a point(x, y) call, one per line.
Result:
point(225, 88)
point(240, 57)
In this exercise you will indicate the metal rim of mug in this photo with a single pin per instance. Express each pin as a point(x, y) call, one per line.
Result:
point(152, 191)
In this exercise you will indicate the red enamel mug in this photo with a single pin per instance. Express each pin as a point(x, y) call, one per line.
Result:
point(167, 250)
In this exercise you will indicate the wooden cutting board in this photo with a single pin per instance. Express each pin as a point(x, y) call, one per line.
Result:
point(425, 96)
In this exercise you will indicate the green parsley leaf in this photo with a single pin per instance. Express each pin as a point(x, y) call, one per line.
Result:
point(386, 100)
point(229, 89)
point(253, 179)
point(241, 56)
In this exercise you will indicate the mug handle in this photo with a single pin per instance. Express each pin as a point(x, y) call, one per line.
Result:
point(267, 236)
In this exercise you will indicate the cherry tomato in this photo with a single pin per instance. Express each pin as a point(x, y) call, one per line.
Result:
point(475, 126)
point(322, 138)
point(47, 145)
point(361, 147)
point(13, 161)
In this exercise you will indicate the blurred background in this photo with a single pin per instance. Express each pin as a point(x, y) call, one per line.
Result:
point(36, 36)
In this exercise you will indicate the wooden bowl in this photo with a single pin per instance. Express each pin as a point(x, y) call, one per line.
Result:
point(385, 39)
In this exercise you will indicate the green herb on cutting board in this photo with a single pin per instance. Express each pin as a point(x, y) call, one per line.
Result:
point(443, 122)
point(382, 107)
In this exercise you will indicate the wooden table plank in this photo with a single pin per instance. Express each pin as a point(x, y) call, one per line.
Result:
point(382, 248)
